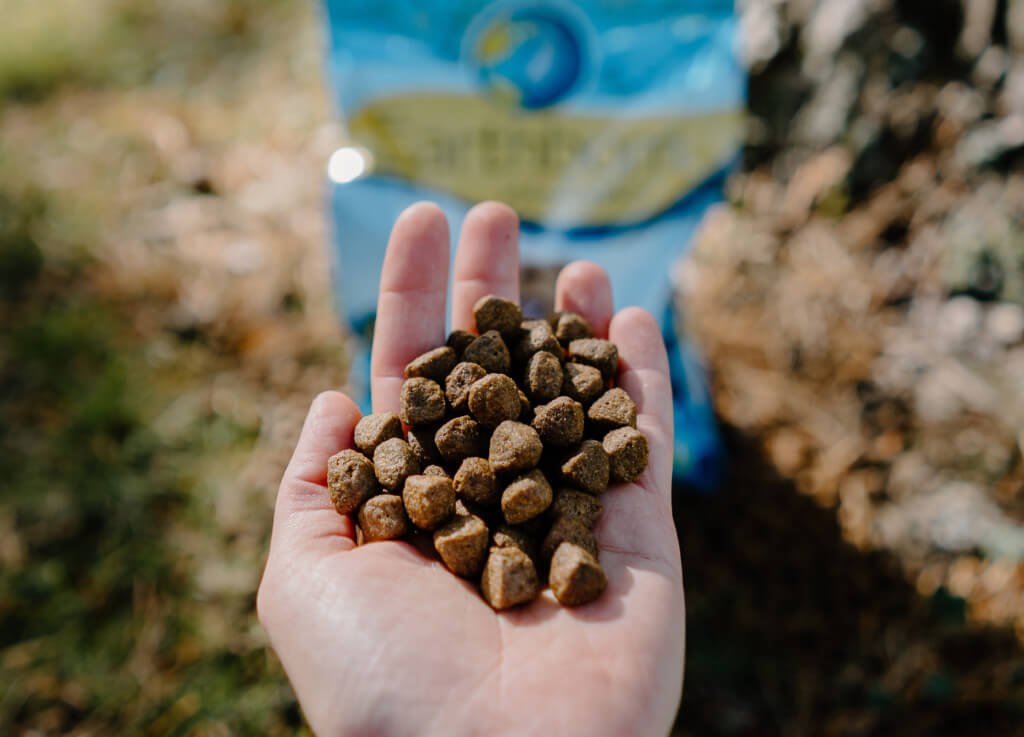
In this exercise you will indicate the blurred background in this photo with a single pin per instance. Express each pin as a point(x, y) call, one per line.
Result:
point(166, 317)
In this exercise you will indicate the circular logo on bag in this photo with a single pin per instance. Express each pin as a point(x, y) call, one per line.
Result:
point(528, 56)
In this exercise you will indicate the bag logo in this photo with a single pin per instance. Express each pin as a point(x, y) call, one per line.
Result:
point(527, 56)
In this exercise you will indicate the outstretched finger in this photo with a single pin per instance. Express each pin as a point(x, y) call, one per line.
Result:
point(487, 260)
point(410, 308)
point(637, 519)
point(644, 374)
point(583, 287)
point(303, 513)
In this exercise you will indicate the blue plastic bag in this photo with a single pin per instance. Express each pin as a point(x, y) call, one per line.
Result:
point(608, 125)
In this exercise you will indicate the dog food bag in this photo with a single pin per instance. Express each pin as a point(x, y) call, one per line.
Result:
point(608, 125)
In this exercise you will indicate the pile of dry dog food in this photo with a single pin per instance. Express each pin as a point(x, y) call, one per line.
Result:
point(507, 475)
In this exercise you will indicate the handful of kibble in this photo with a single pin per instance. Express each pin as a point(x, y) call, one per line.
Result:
point(507, 475)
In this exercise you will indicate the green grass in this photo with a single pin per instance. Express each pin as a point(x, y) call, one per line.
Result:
point(99, 620)
point(105, 524)
point(45, 46)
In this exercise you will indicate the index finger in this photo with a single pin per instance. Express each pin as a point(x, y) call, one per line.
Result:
point(411, 304)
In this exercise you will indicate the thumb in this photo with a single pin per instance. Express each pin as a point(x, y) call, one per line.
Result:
point(304, 517)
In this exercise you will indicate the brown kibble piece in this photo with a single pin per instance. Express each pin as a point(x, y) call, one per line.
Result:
point(575, 575)
point(543, 380)
point(577, 505)
point(421, 440)
point(462, 545)
point(495, 313)
point(435, 470)
point(374, 429)
point(587, 468)
point(537, 336)
point(601, 354)
point(567, 529)
point(507, 536)
point(514, 447)
point(433, 365)
point(458, 340)
point(494, 399)
point(394, 462)
point(581, 382)
point(570, 326)
point(383, 517)
point(526, 497)
point(421, 401)
point(350, 480)
point(458, 382)
point(509, 578)
point(476, 483)
point(490, 351)
point(559, 423)
point(627, 451)
point(429, 501)
point(612, 409)
point(459, 438)
point(526, 411)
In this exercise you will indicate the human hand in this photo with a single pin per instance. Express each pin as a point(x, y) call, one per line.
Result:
point(381, 640)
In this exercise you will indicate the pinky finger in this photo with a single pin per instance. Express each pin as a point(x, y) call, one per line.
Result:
point(643, 373)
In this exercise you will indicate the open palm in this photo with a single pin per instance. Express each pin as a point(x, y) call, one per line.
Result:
point(381, 639)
